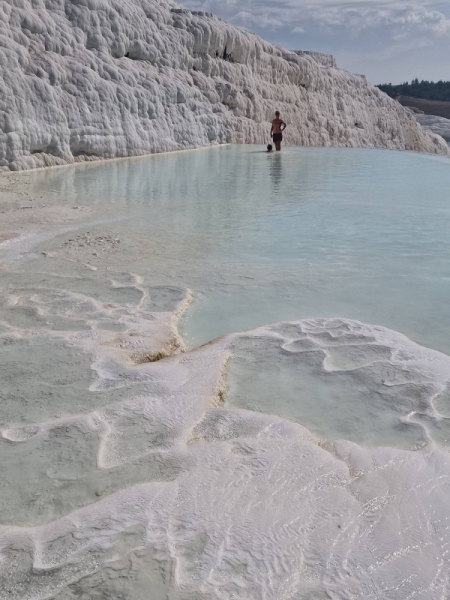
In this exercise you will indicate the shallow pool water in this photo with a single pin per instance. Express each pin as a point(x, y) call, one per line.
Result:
point(259, 238)
point(306, 458)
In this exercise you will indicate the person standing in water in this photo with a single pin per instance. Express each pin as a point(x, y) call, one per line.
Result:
point(278, 126)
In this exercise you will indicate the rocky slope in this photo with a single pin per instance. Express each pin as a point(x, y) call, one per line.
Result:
point(86, 79)
point(438, 125)
point(433, 123)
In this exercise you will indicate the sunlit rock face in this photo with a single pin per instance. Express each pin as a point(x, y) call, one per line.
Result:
point(86, 79)
point(326, 60)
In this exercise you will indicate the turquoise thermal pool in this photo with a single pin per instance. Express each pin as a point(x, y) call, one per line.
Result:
point(311, 232)
point(303, 454)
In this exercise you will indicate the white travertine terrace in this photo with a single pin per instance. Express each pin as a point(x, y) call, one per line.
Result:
point(165, 488)
point(326, 60)
point(91, 79)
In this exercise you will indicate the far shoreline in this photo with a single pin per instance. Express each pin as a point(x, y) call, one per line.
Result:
point(210, 147)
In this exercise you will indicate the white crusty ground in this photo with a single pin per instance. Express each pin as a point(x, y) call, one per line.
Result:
point(88, 79)
point(166, 492)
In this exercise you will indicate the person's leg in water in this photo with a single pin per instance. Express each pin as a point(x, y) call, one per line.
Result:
point(278, 126)
point(277, 139)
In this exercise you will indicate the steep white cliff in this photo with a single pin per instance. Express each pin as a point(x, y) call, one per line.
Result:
point(85, 79)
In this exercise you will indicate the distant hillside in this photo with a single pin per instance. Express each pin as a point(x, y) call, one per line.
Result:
point(426, 90)
point(428, 107)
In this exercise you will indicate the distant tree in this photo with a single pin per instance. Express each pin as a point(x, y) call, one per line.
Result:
point(427, 90)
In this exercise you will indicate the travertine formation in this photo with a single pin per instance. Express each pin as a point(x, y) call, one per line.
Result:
point(326, 60)
point(90, 79)
point(119, 478)
point(433, 123)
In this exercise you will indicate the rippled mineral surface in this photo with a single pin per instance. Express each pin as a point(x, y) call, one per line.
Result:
point(306, 459)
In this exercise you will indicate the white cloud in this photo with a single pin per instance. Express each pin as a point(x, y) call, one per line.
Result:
point(247, 18)
point(355, 15)
point(386, 28)
point(362, 16)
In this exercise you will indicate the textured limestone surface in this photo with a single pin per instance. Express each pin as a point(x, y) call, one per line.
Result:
point(435, 124)
point(87, 79)
point(327, 60)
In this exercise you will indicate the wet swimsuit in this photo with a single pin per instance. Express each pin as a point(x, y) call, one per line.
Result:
point(277, 137)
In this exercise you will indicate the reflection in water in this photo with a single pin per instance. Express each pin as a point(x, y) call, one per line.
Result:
point(276, 172)
point(162, 479)
point(261, 238)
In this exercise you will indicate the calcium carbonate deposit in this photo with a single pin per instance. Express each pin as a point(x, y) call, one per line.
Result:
point(304, 460)
point(439, 125)
point(135, 481)
point(107, 78)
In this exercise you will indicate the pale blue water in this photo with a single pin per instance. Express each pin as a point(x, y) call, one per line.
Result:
point(173, 493)
point(260, 238)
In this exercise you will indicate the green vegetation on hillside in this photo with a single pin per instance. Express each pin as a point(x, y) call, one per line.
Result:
point(428, 90)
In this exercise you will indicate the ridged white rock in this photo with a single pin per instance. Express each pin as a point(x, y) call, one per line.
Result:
point(436, 124)
point(85, 79)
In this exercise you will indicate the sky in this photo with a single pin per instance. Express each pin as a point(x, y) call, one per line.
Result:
point(389, 41)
